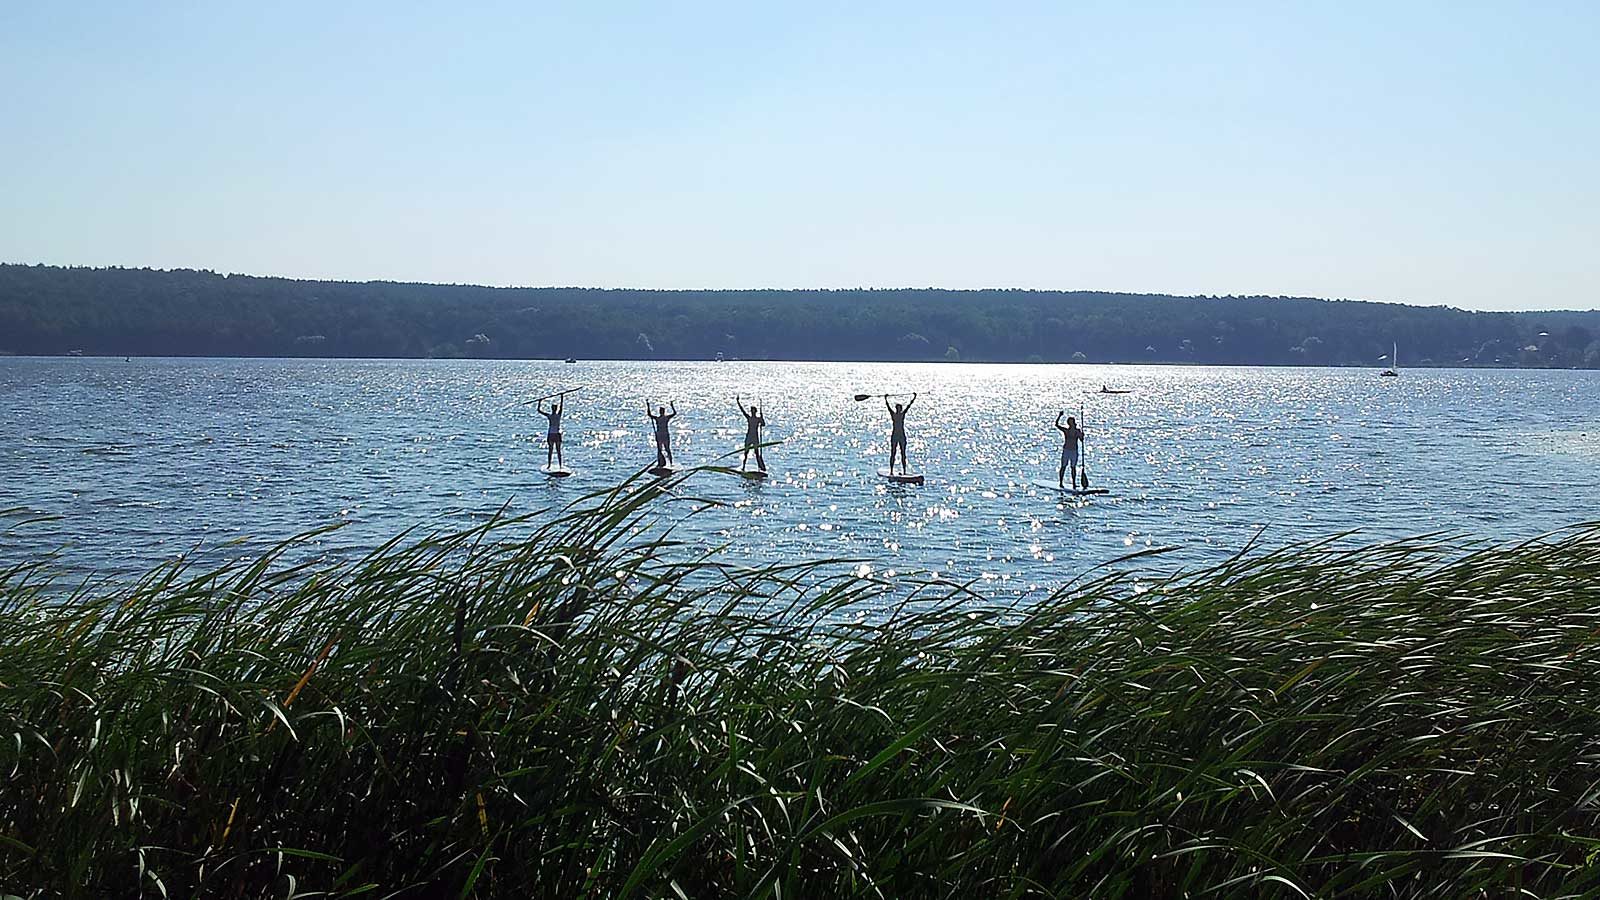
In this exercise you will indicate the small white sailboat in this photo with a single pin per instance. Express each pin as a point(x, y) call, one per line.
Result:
point(1394, 363)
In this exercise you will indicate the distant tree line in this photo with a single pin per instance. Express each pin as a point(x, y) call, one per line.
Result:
point(49, 310)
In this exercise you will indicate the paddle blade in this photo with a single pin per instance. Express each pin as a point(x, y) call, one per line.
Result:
point(861, 397)
point(1083, 477)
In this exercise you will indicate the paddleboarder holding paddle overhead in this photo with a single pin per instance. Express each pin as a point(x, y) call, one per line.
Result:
point(663, 434)
point(1073, 439)
point(897, 437)
point(753, 423)
point(552, 447)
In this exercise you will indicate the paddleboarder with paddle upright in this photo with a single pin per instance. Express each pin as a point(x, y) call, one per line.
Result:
point(753, 423)
point(660, 419)
point(897, 437)
point(1073, 439)
point(552, 446)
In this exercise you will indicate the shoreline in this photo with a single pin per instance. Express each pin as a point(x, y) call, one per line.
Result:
point(808, 361)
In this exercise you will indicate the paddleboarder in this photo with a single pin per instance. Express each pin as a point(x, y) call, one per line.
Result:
point(1073, 439)
point(552, 446)
point(897, 437)
point(663, 435)
point(753, 423)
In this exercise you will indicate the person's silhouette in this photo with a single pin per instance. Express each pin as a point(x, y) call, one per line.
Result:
point(663, 434)
point(1072, 437)
point(897, 437)
point(552, 446)
point(753, 423)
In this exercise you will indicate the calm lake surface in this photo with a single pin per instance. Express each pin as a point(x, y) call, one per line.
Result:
point(140, 461)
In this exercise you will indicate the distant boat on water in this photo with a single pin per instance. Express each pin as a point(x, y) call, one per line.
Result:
point(571, 360)
point(1394, 363)
point(1112, 390)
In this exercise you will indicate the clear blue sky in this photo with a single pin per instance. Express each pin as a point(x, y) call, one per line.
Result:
point(1431, 153)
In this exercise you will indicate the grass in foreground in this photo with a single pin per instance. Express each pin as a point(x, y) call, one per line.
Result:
point(577, 715)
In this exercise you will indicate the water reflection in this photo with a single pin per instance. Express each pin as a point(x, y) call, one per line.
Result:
point(145, 459)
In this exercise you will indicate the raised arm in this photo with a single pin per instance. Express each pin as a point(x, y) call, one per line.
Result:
point(540, 405)
point(1059, 426)
point(913, 401)
point(740, 403)
point(672, 405)
point(887, 406)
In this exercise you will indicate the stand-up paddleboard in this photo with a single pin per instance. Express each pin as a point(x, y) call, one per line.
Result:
point(662, 471)
point(753, 474)
point(901, 478)
point(556, 471)
point(1072, 491)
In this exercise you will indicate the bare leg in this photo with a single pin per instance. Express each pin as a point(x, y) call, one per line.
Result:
point(559, 461)
point(760, 463)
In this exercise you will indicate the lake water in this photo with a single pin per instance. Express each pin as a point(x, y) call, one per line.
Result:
point(139, 461)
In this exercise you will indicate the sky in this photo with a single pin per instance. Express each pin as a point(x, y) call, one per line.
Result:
point(1421, 152)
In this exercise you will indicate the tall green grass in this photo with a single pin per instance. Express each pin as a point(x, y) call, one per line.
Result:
point(585, 712)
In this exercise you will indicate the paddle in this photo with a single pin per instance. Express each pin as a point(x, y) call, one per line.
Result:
point(545, 397)
point(1083, 464)
point(861, 397)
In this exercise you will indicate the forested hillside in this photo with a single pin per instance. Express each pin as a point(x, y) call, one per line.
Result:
point(54, 310)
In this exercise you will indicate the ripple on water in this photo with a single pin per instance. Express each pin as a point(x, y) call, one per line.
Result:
point(1199, 458)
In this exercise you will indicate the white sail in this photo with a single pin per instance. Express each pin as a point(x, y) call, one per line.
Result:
point(1394, 361)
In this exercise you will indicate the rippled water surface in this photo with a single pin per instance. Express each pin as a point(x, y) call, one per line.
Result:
point(139, 461)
